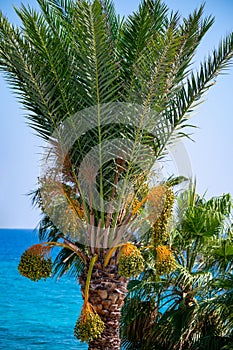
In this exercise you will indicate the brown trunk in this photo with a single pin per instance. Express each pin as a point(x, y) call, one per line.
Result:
point(107, 292)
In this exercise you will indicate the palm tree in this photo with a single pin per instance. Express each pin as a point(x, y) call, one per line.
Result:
point(76, 65)
point(191, 306)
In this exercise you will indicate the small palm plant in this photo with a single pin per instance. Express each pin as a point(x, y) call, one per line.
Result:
point(188, 306)
point(108, 95)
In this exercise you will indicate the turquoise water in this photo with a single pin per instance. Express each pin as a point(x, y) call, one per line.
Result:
point(34, 315)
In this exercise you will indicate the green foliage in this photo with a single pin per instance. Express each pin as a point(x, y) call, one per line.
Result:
point(34, 266)
point(193, 303)
point(89, 327)
point(74, 55)
point(139, 320)
point(67, 262)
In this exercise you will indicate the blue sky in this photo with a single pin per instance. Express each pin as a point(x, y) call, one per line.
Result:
point(210, 154)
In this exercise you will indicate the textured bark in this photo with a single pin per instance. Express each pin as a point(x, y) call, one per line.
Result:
point(107, 293)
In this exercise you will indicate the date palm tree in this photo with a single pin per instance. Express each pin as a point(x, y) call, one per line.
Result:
point(191, 306)
point(107, 95)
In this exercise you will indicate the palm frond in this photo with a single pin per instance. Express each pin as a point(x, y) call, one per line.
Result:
point(67, 263)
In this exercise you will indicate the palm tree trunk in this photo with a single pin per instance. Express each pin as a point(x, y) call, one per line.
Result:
point(107, 293)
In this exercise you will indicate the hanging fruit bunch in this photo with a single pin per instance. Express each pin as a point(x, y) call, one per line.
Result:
point(60, 202)
point(35, 263)
point(165, 262)
point(160, 226)
point(131, 261)
point(89, 326)
point(160, 203)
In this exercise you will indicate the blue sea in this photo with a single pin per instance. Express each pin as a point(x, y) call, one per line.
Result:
point(34, 315)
